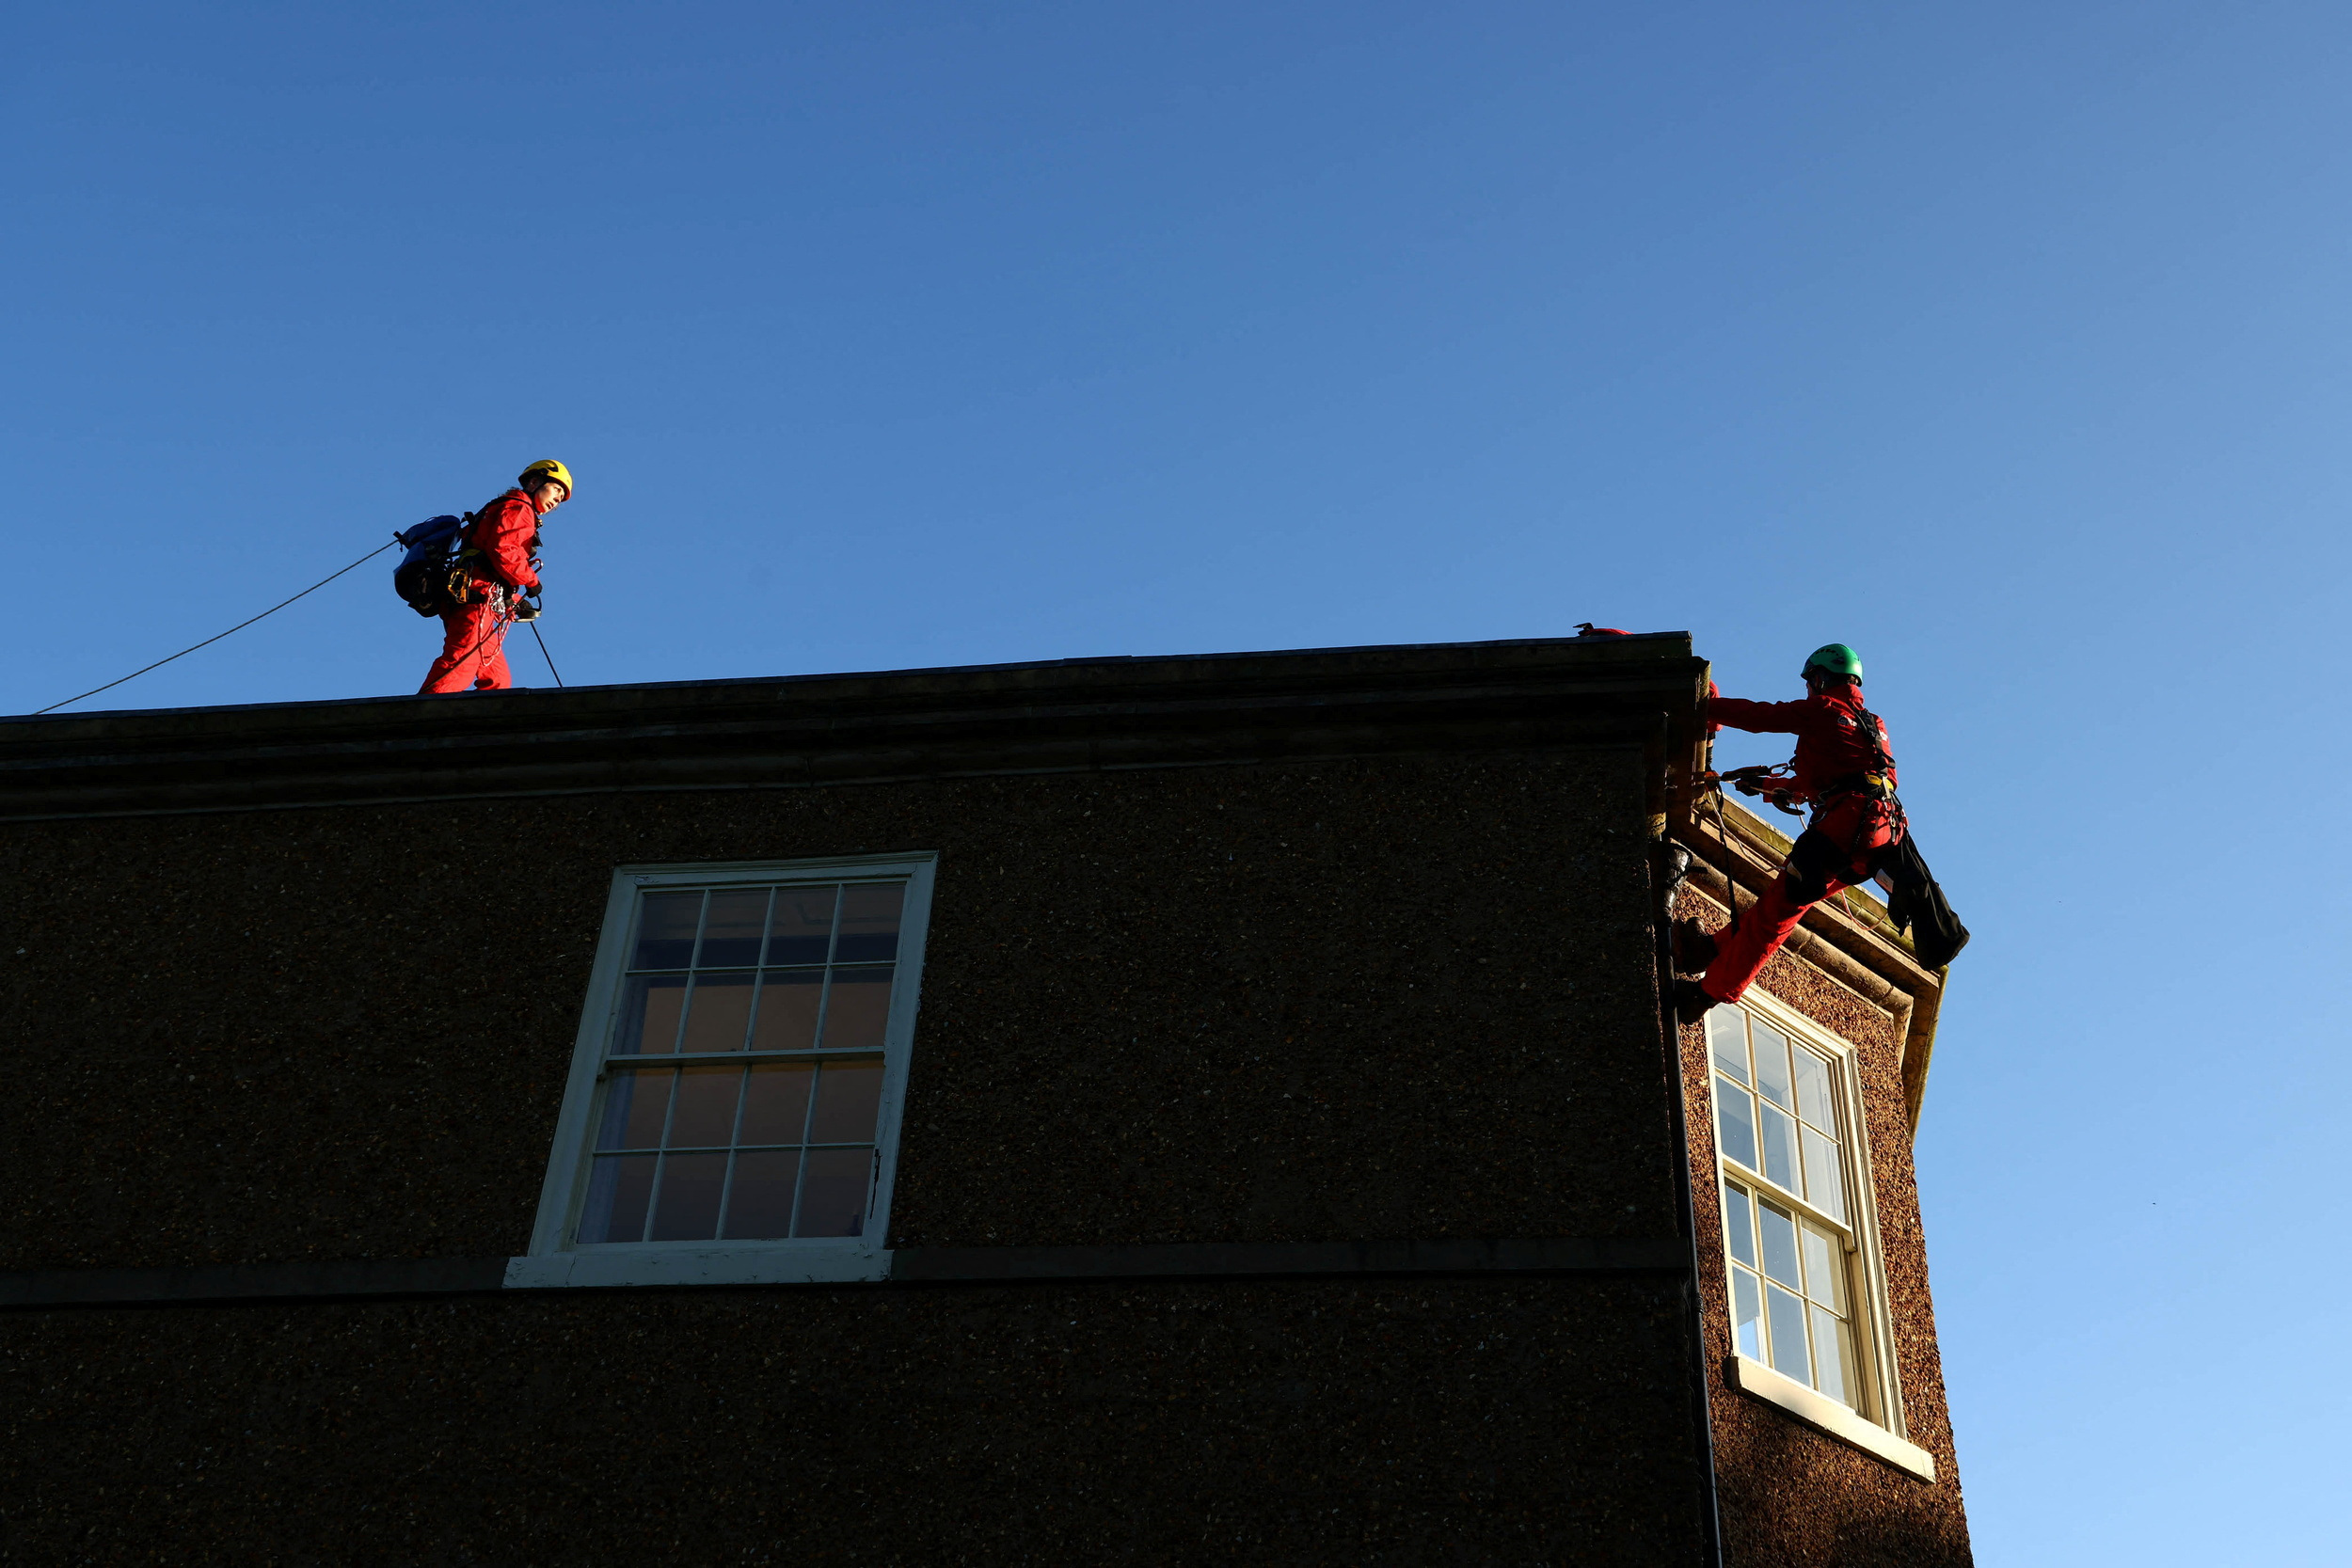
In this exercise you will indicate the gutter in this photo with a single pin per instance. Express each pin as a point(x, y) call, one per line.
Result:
point(1669, 864)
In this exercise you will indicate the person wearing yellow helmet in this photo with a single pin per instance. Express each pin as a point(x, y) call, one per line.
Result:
point(495, 582)
point(542, 473)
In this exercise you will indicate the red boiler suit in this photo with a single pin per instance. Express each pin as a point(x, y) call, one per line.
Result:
point(473, 635)
point(1850, 782)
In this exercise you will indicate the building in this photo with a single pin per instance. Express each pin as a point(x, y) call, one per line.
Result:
point(1141, 1109)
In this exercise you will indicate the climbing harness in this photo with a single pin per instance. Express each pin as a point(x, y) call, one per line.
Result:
point(1872, 780)
point(502, 617)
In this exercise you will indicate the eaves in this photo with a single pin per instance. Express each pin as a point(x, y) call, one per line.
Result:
point(1071, 715)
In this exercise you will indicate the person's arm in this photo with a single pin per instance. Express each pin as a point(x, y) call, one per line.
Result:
point(509, 545)
point(1758, 718)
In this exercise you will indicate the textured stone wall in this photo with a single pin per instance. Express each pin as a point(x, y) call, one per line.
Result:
point(1431, 1422)
point(1389, 999)
point(1790, 1495)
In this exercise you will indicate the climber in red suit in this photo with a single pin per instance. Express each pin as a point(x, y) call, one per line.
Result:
point(499, 567)
point(1844, 771)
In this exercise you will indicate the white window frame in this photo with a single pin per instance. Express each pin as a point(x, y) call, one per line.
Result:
point(1876, 1422)
point(555, 1260)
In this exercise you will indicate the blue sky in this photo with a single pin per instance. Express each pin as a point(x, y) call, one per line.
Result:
point(2006, 343)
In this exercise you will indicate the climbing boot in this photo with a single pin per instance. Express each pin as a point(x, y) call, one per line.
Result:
point(1691, 1002)
point(1694, 949)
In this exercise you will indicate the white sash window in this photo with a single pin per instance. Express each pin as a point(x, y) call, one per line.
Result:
point(735, 1093)
point(1800, 1236)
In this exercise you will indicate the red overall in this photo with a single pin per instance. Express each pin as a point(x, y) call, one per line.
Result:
point(473, 635)
point(1837, 770)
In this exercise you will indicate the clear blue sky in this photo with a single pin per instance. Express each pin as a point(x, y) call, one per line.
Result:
point(2007, 343)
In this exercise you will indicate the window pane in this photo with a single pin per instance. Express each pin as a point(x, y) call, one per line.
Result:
point(718, 1013)
point(1739, 1225)
point(869, 924)
point(705, 1109)
point(634, 1106)
point(732, 930)
point(1829, 1337)
point(1747, 1314)
point(802, 929)
point(618, 1189)
point(1813, 1089)
point(1780, 1245)
point(649, 1015)
point(775, 1106)
point(1825, 1268)
point(1771, 1065)
point(759, 1206)
point(1824, 1181)
point(1787, 1324)
point(665, 929)
point(857, 1008)
point(847, 1096)
point(1780, 1147)
point(787, 1010)
point(833, 1193)
point(686, 1208)
point(1726, 1035)
point(1734, 1122)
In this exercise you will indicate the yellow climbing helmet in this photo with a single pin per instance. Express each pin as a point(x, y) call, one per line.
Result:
point(543, 470)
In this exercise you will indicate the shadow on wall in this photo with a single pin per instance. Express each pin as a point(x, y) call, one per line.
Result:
point(1794, 1498)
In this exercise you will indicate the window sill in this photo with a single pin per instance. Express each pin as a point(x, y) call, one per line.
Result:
point(787, 1263)
point(1826, 1415)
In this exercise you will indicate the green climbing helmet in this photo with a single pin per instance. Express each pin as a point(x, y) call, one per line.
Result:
point(1833, 659)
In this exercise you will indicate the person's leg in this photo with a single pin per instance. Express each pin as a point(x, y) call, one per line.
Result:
point(1818, 865)
point(463, 630)
point(491, 670)
point(1742, 952)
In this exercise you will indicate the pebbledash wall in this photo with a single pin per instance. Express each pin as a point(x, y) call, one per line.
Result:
point(1284, 1152)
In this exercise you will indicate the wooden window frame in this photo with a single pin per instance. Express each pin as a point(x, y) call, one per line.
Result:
point(555, 1259)
point(1880, 1405)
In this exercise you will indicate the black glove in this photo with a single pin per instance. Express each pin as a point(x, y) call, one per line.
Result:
point(526, 610)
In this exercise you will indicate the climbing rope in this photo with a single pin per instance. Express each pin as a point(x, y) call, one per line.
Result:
point(534, 624)
point(498, 622)
point(210, 640)
point(1731, 882)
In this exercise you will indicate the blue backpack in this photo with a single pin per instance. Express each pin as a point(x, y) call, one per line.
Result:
point(422, 579)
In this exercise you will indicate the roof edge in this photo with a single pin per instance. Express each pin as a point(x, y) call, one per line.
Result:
point(726, 683)
point(1052, 716)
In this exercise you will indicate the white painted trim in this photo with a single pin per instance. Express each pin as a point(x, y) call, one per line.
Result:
point(1826, 1415)
point(553, 1259)
point(776, 1263)
point(579, 1089)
